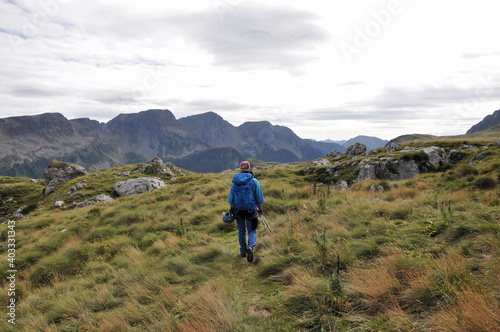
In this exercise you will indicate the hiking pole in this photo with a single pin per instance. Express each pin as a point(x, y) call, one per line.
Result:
point(266, 225)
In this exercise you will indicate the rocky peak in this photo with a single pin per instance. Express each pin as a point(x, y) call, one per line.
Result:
point(47, 125)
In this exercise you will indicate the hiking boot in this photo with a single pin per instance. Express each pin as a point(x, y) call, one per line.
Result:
point(243, 255)
point(249, 254)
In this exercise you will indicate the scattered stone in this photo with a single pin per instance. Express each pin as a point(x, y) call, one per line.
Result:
point(34, 181)
point(58, 203)
point(59, 172)
point(380, 189)
point(480, 156)
point(493, 144)
point(468, 147)
point(76, 187)
point(125, 173)
point(103, 198)
point(18, 214)
point(86, 203)
point(64, 230)
point(138, 186)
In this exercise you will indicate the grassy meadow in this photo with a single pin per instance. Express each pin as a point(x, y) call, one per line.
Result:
point(423, 255)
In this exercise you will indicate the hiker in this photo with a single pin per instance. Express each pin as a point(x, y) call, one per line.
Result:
point(246, 201)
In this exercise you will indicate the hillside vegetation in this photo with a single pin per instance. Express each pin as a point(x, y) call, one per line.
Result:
point(423, 255)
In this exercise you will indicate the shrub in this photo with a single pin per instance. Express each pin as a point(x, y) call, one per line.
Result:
point(465, 169)
point(485, 182)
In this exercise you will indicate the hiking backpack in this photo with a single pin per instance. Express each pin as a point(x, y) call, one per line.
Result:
point(244, 199)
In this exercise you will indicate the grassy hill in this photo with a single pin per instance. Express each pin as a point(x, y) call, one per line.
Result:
point(489, 135)
point(423, 255)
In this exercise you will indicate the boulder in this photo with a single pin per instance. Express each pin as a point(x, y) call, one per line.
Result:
point(343, 186)
point(437, 156)
point(355, 150)
point(480, 156)
point(393, 147)
point(455, 155)
point(394, 170)
point(59, 172)
point(138, 186)
point(58, 203)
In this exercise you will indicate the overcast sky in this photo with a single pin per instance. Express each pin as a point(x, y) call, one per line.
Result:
point(325, 69)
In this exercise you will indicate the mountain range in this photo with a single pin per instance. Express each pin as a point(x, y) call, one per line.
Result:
point(201, 143)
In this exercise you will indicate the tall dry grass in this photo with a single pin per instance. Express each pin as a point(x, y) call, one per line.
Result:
point(213, 307)
point(472, 311)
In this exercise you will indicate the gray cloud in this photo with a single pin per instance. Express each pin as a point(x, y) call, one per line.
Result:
point(249, 37)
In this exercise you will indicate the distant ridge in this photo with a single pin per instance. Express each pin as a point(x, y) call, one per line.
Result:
point(371, 142)
point(204, 142)
point(488, 122)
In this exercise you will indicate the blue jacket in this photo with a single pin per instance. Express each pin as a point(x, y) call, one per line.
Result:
point(242, 178)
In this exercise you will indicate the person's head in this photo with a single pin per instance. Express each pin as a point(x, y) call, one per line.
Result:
point(245, 167)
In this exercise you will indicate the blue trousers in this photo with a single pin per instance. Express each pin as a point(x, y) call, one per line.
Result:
point(244, 227)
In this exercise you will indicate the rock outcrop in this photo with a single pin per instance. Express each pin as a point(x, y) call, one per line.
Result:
point(158, 167)
point(59, 172)
point(336, 155)
point(393, 146)
point(355, 150)
point(138, 186)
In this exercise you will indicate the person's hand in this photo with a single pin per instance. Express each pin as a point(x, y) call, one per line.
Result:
point(260, 212)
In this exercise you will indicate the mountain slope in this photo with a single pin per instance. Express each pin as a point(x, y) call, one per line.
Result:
point(416, 256)
point(488, 122)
